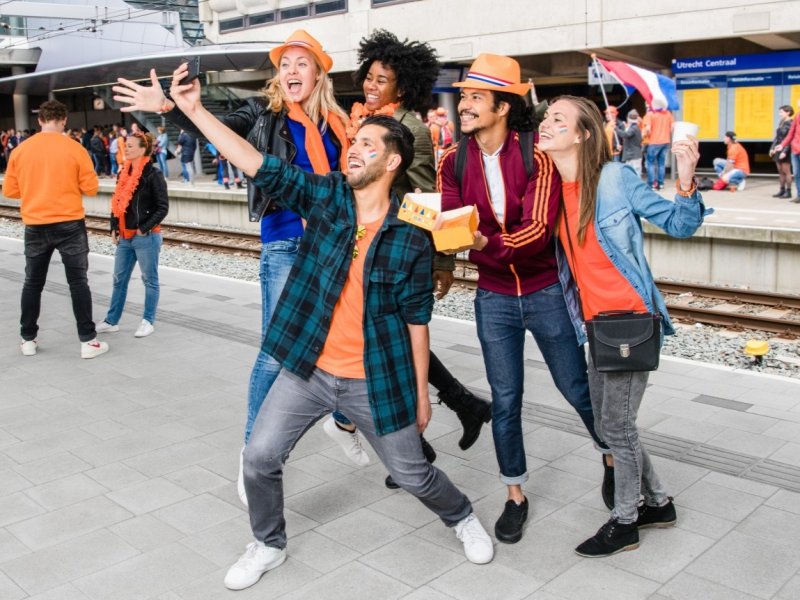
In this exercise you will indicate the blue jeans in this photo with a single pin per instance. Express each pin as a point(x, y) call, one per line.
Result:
point(161, 157)
point(502, 321)
point(292, 407)
point(187, 171)
point(735, 176)
point(616, 398)
point(145, 250)
point(656, 163)
point(71, 241)
point(277, 259)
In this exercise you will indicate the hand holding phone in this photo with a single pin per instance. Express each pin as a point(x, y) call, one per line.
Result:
point(193, 72)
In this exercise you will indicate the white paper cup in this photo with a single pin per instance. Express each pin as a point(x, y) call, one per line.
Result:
point(681, 130)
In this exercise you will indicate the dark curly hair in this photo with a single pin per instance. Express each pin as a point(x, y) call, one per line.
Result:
point(520, 115)
point(415, 66)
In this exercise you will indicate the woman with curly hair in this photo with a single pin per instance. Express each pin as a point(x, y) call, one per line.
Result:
point(397, 79)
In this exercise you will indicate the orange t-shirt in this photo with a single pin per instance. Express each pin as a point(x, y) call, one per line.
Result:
point(602, 287)
point(738, 155)
point(660, 126)
point(343, 352)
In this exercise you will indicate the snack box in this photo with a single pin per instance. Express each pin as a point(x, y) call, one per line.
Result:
point(453, 230)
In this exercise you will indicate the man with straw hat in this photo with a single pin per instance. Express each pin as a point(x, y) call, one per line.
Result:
point(517, 193)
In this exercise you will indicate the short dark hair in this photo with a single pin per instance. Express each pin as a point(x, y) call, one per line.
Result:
point(52, 110)
point(788, 110)
point(398, 138)
point(520, 115)
point(731, 134)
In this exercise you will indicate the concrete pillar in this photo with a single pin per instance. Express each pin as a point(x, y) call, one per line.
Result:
point(22, 118)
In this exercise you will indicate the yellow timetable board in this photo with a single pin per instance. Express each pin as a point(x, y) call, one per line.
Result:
point(754, 112)
point(701, 106)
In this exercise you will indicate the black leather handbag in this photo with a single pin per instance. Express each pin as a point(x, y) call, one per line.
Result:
point(624, 341)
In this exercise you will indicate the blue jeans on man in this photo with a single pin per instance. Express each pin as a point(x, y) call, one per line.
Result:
point(71, 241)
point(161, 157)
point(735, 176)
point(277, 258)
point(656, 164)
point(144, 249)
point(502, 322)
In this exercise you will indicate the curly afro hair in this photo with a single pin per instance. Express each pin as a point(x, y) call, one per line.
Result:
point(414, 64)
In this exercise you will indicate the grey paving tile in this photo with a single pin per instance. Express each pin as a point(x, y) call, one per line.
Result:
point(9, 590)
point(479, 582)
point(746, 443)
point(115, 476)
point(11, 482)
point(748, 564)
point(354, 581)
point(413, 561)
point(146, 575)
point(197, 513)
point(68, 440)
point(689, 587)
point(771, 524)
point(122, 447)
point(702, 523)
point(146, 533)
point(149, 495)
point(222, 544)
point(785, 431)
point(322, 467)
point(106, 429)
point(747, 421)
point(196, 480)
point(319, 552)
point(426, 593)
point(719, 501)
point(331, 500)
point(62, 592)
point(592, 580)
point(296, 481)
point(790, 591)
point(17, 507)
point(404, 508)
point(743, 485)
point(10, 547)
point(785, 500)
point(65, 491)
point(689, 429)
point(788, 454)
point(557, 485)
point(67, 561)
point(171, 458)
point(70, 522)
point(364, 530)
point(675, 475)
point(53, 467)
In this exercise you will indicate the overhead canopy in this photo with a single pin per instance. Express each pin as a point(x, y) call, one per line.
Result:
point(228, 57)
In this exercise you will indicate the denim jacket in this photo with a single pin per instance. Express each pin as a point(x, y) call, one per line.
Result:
point(622, 200)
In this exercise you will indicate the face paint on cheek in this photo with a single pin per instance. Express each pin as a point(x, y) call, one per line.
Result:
point(562, 130)
point(373, 154)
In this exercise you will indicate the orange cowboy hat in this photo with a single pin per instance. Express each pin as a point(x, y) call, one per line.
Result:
point(302, 39)
point(495, 72)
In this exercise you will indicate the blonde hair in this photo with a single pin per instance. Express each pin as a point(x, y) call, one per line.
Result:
point(321, 102)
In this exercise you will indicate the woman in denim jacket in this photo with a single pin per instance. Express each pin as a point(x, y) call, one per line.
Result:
point(603, 267)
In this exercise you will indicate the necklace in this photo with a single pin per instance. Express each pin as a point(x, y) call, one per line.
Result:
point(361, 231)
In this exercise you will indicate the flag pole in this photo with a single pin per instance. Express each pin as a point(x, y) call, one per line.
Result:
point(600, 75)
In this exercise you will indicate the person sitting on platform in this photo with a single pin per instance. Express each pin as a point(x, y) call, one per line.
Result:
point(734, 169)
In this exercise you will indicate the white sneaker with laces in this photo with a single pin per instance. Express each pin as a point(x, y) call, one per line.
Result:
point(145, 329)
point(28, 347)
point(478, 546)
point(350, 442)
point(240, 481)
point(106, 327)
point(741, 185)
point(256, 560)
point(93, 348)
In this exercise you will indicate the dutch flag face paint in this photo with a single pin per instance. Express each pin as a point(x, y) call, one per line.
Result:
point(373, 154)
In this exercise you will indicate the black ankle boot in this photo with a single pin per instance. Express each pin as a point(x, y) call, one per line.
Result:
point(780, 194)
point(472, 411)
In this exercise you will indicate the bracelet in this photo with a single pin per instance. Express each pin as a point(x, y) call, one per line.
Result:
point(165, 108)
point(690, 192)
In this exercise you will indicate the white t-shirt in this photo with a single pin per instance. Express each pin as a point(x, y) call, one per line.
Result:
point(494, 178)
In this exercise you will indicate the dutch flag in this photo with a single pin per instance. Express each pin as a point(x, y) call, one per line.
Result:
point(652, 86)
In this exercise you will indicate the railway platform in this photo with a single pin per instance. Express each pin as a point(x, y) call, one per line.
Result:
point(117, 474)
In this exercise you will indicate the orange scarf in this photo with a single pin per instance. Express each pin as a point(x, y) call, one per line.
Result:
point(314, 144)
point(359, 112)
point(126, 186)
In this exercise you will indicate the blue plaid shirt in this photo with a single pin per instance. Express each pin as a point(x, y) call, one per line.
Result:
point(398, 289)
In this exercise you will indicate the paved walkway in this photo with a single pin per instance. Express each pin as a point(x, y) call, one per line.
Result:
point(117, 474)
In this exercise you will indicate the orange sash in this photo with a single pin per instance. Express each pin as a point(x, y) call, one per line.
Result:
point(314, 144)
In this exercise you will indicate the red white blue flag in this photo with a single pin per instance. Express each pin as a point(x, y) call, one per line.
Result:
point(652, 86)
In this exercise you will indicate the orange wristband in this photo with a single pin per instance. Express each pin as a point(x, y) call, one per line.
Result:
point(690, 192)
point(165, 108)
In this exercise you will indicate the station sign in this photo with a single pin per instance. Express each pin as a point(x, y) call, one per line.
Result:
point(737, 62)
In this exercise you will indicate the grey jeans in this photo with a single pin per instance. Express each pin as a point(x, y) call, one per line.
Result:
point(292, 406)
point(615, 401)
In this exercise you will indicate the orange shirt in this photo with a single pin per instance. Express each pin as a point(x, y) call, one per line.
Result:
point(659, 124)
point(50, 173)
point(738, 155)
point(602, 287)
point(343, 352)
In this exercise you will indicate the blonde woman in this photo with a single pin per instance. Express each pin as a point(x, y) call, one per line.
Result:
point(296, 119)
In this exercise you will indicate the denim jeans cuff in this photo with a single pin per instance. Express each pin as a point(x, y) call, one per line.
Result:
point(518, 480)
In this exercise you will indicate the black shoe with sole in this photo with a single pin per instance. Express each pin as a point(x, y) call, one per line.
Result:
point(430, 456)
point(471, 410)
point(657, 516)
point(611, 538)
point(607, 489)
point(780, 194)
point(508, 528)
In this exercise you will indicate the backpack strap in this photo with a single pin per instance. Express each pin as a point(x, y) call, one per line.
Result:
point(461, 160)
point(526, 144)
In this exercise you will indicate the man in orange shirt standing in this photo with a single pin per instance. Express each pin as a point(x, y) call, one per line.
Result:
point(733, 170)
point(657, 127)
point(51, 195)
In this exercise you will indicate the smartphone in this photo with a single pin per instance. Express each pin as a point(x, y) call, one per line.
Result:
point(194, 70)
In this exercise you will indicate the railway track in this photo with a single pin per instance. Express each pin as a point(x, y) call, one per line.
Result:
point(726, 307)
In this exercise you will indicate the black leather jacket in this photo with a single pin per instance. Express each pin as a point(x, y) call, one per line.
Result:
point(266, 131)
point(149, 205)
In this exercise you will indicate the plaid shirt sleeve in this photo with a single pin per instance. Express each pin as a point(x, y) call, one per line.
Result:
point(292, 187)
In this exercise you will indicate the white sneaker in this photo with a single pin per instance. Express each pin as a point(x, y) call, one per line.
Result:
point(93, 348)
point(350, 442)
point(740, 186)
point(240, 481)
point(28, 347)
point(256, 560)
point(145, 329)
point(477, 543)
point(106, 327)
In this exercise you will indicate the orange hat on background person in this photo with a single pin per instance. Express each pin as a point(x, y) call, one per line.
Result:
point(497, 73)
point(441, 111)
point(302, 39)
